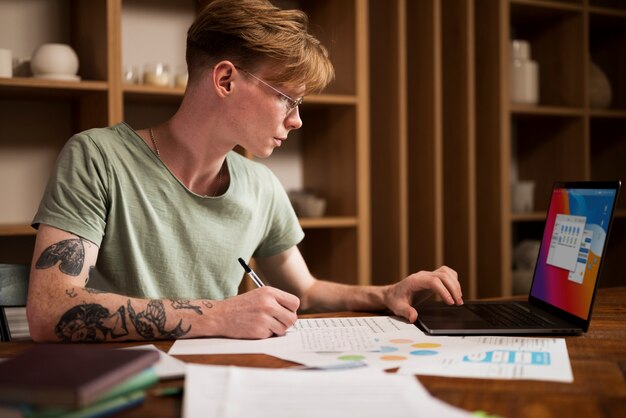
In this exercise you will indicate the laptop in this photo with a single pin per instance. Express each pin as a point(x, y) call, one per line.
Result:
point(566, 274)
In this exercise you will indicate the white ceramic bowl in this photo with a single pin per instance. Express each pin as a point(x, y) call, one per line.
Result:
point(54, 60)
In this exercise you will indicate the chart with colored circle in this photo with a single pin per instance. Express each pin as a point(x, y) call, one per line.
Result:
point(396, 341)
point(400, 345)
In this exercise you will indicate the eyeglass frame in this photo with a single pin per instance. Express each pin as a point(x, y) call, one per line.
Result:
point(292, 103)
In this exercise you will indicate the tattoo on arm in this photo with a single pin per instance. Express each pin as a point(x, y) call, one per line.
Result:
point(185, 304)
point(207, 304)
point(71, 292)
point(91, 323)
point(69, 253)
point(150, 323)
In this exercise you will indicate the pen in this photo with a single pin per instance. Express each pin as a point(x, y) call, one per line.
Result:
point(251, 273)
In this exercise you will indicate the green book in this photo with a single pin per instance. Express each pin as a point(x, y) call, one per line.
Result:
point(129, 393)
point(110, 406)
point(68, 376)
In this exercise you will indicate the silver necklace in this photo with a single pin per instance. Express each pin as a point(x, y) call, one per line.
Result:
point(158, 153)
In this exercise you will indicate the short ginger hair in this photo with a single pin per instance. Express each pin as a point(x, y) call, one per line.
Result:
point(254, 32)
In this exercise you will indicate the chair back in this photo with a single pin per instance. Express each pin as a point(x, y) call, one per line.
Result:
point(13, 293)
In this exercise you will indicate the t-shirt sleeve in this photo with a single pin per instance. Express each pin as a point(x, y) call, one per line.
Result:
point(76, 194)
point(283, 229)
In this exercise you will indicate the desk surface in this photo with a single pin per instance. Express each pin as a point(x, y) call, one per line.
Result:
point(598, 361)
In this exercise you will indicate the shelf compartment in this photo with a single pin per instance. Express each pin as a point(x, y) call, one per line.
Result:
point(142, 114)
point(29, 150)
point(85, 26)
point(607, 45)
point(333, 23)
point(608, 149)
point(329, 168)
point(154, 31)
point(546, 149)
point(331, 254)
point(556, 36)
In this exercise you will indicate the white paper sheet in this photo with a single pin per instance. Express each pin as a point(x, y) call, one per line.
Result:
point(393, 349)
point(497, 357)
point(307, 335)
point(167, 367)
point(233, 392)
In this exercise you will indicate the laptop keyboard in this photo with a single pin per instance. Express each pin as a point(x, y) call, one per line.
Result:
point(507, 315)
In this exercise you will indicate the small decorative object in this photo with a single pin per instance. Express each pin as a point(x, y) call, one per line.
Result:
point(6, 63)
point(524, 74)
point(55, 61)
point(522, 196)
point(130, 75)
point(156, 74)
point(180, 80)
point(21, 67)
point(307, 204)
point(600, 93)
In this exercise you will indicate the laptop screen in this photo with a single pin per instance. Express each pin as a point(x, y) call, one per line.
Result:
point(573, 243)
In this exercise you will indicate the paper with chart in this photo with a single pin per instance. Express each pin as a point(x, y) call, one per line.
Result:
point(385, 342)
point(396, 342)
point(498, 358)
point(233, 392)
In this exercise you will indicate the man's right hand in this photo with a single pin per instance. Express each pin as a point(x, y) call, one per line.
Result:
point(259, 313)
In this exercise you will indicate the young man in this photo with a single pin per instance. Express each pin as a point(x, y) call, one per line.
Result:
point(139, 232)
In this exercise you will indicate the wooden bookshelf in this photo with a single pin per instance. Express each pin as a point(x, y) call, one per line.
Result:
point(335, 137)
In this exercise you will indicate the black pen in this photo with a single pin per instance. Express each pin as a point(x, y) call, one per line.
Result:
point(251, 273)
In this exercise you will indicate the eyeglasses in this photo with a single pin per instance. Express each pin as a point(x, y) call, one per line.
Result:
point(290, 102)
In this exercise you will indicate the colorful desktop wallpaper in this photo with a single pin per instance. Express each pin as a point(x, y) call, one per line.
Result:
point(571, 248)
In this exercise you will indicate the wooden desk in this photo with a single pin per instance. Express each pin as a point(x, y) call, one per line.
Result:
point(598, 361)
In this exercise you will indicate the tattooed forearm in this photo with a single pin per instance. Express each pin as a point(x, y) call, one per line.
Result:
point(185, 304)
point(69, 253)
point(207, 304)
point(91, 323)
point(71, 292)
point(150, 323)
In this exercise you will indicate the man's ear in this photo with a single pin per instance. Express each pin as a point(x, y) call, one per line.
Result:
point(223, 73)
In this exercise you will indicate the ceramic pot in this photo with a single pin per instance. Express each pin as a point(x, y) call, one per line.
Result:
point(54, 61)
point(600, 93)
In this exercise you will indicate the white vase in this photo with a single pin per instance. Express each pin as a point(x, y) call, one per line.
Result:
point(524, 74)
point(600, 93)
point(55, 61)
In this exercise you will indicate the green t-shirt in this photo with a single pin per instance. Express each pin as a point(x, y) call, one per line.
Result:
point(158, 239)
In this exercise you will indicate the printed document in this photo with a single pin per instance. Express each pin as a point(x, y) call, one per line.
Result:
point(234, 392)
point(497, 357)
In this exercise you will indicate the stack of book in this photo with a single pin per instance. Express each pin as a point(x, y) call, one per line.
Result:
point(51, 381)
